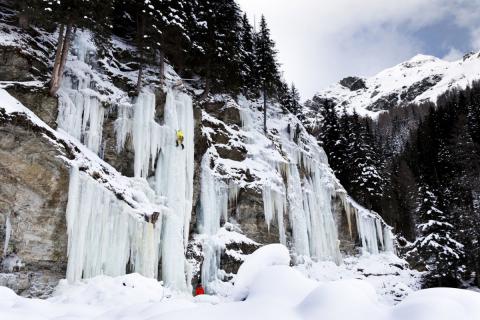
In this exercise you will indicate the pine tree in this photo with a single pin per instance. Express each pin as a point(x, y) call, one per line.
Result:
point(284, 97)
point(266, 64)
point(217, 35)
point(366, 178)
point(435, 247)
point(295, 100)
point(248, 68)
point(330, 134)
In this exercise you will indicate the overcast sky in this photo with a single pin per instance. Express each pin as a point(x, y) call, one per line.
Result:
point(320, 42)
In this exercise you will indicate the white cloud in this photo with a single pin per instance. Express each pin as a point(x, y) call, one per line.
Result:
point(453, 55)
point(320, 42)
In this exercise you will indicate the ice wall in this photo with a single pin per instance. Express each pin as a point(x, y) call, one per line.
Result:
point(105, 235)
point(80, 111)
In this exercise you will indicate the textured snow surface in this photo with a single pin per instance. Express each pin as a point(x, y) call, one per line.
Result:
point(275, 291)
point(437, 75)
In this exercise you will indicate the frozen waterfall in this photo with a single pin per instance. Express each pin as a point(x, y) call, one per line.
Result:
point(105, 235)
point(169, 167)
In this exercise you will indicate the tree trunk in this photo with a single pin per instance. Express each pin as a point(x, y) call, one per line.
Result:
point(140, 41)
point(58, 59)
point(140, 76)
point(162, 67)
point(206, 92)
point(264, 109)
point(23, 20)
point(57, 75)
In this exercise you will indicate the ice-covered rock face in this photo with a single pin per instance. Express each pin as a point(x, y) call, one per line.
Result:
point(422, 78)
point(290, 175)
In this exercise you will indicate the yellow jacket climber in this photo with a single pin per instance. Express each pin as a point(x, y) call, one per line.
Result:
point(180, 138)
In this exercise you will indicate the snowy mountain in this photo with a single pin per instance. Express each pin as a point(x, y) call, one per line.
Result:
point(420, 79)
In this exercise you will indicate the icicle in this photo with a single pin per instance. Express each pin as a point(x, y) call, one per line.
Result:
point(8, 234)
point(123, 125)
point(378, 224)
point(268, 205)
point(274, 207)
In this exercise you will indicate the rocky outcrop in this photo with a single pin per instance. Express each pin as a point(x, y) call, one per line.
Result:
point(353, 83)
point(38, 100)
point(33, 192)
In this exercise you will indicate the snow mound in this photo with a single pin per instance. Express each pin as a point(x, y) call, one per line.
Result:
point(269, 255)
point(289, 286)
point(439, 304)
point(329, 301)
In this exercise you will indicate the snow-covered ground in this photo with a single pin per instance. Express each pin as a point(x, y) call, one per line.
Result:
point(266, 288)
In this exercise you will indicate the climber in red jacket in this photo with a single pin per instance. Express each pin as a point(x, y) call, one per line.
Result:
point(199, 290)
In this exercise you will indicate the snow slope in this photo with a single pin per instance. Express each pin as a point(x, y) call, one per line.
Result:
point(422, 78)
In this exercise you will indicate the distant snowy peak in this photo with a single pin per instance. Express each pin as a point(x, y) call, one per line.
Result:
point(420, 79)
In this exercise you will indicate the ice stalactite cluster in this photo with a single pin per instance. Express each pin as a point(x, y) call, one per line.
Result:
point(105, 235)
point(275, 207)
point(375, 235)
point(169, 168)
point(216, 196)
point(80, 111)
point(303, 188)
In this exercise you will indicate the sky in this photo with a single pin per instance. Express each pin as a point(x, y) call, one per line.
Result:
point(320, 41)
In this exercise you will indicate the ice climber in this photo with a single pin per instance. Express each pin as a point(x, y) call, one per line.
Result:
point(180, 138)
point(199, 290)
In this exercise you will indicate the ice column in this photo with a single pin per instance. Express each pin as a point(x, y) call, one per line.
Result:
point(174, 183)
